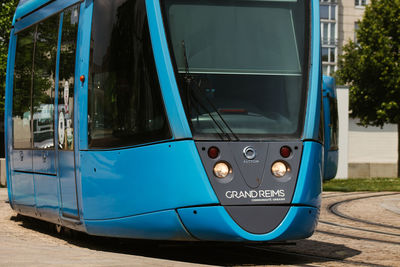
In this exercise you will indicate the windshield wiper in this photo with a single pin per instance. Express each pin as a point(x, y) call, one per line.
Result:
point(189, 81)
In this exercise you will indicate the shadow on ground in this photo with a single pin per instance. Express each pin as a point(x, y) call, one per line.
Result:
point(212, 253)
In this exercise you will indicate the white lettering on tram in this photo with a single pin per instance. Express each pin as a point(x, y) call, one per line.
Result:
point(276, 195)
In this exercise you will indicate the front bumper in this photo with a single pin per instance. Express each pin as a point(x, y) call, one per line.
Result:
point(214, 223)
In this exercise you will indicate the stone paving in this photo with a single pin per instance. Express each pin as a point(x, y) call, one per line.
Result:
point(337, 242)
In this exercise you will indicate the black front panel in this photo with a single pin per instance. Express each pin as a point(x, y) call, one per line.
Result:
point(251, 181)
point(258, 219)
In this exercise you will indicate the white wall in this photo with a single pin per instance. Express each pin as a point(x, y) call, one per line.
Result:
point(372, 144)
point(364, 152)
point(343, 111)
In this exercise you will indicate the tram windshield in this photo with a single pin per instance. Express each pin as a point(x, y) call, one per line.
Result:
point(241, 65)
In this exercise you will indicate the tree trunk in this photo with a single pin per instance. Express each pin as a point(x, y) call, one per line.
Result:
point(398, 149)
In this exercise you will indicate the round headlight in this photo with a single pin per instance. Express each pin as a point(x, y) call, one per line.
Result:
point(279, 169)
point(222, 169)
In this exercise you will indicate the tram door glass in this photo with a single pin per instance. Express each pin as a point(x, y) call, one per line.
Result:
point(334, 123)
point(43, 84)
point(22, 90)
point(66, 80)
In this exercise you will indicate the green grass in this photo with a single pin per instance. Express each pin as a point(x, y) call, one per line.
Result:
point(363, 184)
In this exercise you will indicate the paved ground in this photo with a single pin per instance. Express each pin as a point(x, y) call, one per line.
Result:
point(355, 229)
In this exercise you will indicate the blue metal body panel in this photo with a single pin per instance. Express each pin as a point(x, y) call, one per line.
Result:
point(329, 86)
point(215, 224)
point(26, 7)
point(173, 104)
point(81, 89)
point(48, 10)
point(21, 159)
point(47, 196)
point(44, 161)
point(128, 182)
point(7, 112)
point(309, 183)
point(314, 101)
point(158, 225)
point(23, 190)
point(66, 170)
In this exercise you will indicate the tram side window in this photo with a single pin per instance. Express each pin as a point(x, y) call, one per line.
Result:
point(334, 120)
point(22, 89)
point(66, 79)
point(44, 83)
point(125, 102)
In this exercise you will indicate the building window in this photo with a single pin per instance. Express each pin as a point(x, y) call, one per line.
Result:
point(329, 14)
point(328, 32)
point(356, 27)
point(329, 54)
point(359, 3)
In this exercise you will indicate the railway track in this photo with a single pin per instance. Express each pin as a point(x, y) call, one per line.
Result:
point(334, 209)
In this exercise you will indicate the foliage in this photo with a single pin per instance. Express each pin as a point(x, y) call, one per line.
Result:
point(371, 66)
point(7, 10)
point(363, 184)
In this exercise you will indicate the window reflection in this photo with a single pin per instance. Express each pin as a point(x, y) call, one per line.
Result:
point(125, 103)
point(242, 75)
point(66, 79)
point(22, 89)
point(44, 83)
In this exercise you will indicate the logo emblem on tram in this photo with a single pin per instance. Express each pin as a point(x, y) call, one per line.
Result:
point(249, 153)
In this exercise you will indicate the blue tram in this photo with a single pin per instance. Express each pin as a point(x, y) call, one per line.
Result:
point(331, 128)
point(167, 119)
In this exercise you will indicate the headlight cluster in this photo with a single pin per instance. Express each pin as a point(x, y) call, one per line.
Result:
point(222, 169)
point(279, 169)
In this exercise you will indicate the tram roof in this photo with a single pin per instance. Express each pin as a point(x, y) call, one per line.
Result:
point(27, 6)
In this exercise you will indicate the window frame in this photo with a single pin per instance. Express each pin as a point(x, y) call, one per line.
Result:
point(360, 3)
point(330, 65)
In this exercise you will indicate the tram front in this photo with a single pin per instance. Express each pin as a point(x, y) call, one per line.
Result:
point(243, 71)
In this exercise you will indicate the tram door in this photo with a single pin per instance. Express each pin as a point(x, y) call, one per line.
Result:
point(65, 109)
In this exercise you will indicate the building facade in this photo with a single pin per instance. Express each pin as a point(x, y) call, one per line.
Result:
point(363, 152)
point(339, 20)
